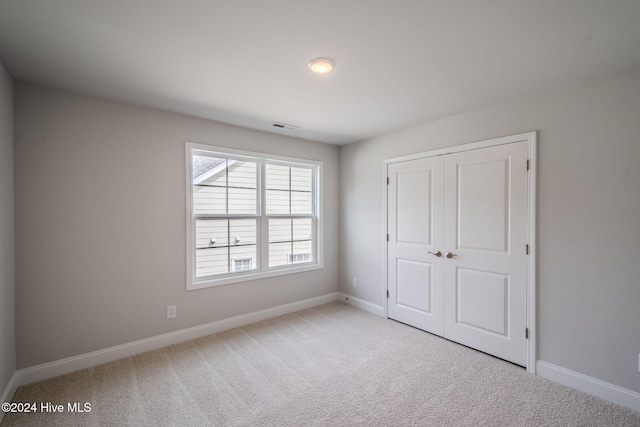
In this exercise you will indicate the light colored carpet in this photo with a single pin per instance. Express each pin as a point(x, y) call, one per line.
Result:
point(331, 365)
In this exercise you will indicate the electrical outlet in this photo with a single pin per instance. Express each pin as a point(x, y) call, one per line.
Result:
point(171, 311)
point(354, 282)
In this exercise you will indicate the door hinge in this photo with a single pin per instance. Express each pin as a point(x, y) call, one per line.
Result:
point(387, 293)
point(526, 333)
point(527, 249)
point(387, 237)
point(387, 180)
point(527, 164)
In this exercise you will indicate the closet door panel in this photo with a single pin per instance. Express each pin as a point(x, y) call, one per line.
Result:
point(414, 203)
point(485, 218)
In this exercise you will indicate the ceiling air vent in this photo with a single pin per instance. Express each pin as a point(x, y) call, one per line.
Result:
point(284, 127)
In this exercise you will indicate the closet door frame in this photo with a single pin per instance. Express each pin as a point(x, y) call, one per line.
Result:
point(531, 139)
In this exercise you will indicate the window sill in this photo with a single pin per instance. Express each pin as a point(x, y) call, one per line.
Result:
point(245, 277)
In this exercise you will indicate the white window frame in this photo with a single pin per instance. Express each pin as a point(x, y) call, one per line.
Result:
point(263, 270)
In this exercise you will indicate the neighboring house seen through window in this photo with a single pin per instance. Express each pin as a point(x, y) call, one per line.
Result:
point(250, 216)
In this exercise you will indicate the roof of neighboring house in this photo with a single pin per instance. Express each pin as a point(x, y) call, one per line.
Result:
point(203, 164)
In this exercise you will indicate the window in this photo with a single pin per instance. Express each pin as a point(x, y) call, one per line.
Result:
point(250, 216)
point(242, 264)
point(296, 258)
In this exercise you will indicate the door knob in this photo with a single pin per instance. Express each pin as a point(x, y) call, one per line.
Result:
point(438, 254)
point(450, 255)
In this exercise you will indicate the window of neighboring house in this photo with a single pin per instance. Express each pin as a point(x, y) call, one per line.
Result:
point(296, 258)
point(250, 215)
point(242, 264)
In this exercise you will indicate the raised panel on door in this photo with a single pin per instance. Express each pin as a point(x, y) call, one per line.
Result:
point(415, 217)
point(481, 301)
point(417, 286)
point(483, 206)
point(485, 223)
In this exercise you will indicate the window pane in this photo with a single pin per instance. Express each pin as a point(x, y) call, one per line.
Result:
point(279, 254)
point(277, 177)
point(242, 187)
point(280, 230)
point(243, 257)
point(242, 201)
point(302, 229)
point(209, 170)
point(224, 186)
point(211, 261)
point(211, 247)
point(289, 190)
point(301, 203)
point(302, 248)
point(242, 174)
point(278, 188)
point(209, 185)
point(277, 202)
point(242, 231)
point(211, 233)
point(209, 200)
point(301, 179)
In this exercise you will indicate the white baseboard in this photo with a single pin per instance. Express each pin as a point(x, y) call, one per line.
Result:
point(610, 392)
point(9, 391)
point(87, 360)
point(370, 307)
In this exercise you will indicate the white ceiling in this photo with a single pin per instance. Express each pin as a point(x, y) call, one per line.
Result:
point(398, 63)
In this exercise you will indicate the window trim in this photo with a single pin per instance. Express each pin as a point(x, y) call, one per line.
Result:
point(193, 282)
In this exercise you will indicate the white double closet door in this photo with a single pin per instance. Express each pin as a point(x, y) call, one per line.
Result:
point(473, 206)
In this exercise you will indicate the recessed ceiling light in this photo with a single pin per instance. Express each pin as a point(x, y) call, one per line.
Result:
point(321, 65)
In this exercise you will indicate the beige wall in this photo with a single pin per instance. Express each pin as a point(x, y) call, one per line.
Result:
point(100, 208)
point(7, 236)
point(588, 216)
